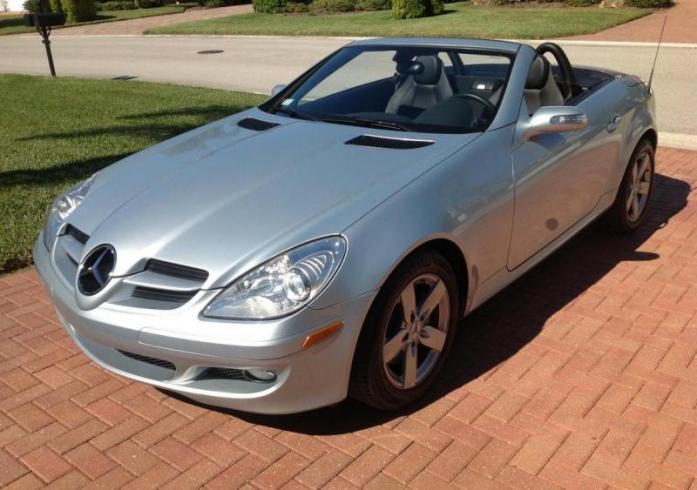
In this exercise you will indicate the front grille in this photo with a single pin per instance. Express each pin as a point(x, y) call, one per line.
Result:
point(389, 143)
point(176, 270)
point(165, 295)
point(77, 234)
point(256, 124)
point(149, 360)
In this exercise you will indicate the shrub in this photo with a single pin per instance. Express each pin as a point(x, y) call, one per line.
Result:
point(437, 7)
point(269, 6)
point(297, 7)
point(649, 4)
point(373, 4)
point(582, 3)
point(147, 4)
point(333, 6)
point(116, 5)
point(55, 6)
point(79, 10)
point(209, 4)
point(31, 6)
point(412, 9)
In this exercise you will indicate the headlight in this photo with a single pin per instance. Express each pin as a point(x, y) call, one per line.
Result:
point(63, 207)
point(283, 285)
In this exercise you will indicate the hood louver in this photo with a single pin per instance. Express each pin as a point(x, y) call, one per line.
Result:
point(256, 124)
point(389, 143)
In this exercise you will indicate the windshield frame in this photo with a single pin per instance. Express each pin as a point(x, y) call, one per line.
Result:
point(274, 104)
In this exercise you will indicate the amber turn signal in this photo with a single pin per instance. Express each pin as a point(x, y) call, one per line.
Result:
point(322, 334)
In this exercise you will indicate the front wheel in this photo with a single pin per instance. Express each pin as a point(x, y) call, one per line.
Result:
point(407, 334)
point(634, 193)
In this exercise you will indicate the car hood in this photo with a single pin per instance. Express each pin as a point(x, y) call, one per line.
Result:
point(224, 199)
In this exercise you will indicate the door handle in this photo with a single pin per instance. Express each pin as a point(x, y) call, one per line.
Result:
point(614, 123)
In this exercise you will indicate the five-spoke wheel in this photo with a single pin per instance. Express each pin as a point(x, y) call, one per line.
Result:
point(408, 333)
point(634, 192)
point(416, 331)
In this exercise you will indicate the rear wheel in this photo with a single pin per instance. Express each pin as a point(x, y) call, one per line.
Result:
point(634, 193)
point(407, 334)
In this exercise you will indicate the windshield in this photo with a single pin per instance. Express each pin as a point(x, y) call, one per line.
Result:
point(437, 90)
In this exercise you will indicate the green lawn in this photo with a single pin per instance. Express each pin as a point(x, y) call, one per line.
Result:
point(56, 132)
point(14, 24)
point(461, 20)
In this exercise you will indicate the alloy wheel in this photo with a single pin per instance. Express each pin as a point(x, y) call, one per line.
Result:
point(639, 187)
point(416, 331)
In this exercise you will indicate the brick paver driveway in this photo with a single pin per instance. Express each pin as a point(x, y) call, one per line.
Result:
point(583, 374)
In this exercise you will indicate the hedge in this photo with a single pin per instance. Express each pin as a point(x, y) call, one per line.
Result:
point(649, 4)
point(79, 10)
point(413, 9)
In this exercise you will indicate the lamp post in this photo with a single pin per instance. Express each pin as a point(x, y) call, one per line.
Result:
point(43, 20)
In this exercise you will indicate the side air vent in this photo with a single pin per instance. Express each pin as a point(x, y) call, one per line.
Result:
point(179, 297)
point(149, 360)
point(77, 234)
point(256, 124)
point(176, 270)
point(389, 143)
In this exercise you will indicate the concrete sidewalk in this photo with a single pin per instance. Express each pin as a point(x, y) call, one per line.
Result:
point(581, 375)
point(258, 63)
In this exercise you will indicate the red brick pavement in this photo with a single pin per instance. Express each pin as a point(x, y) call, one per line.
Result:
point(583, 374)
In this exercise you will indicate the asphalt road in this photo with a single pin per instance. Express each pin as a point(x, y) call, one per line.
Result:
point(258, 63)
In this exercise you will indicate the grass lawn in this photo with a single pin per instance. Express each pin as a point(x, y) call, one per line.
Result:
point(14, 24)
point(55, 133)
point(461, 20)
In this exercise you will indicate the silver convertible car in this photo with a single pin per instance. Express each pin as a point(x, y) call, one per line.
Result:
point(327, 243)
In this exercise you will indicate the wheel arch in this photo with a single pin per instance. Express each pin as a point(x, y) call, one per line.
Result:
point(651, 135)
point(452, 253)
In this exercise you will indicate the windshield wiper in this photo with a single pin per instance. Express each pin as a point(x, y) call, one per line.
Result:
point(297, 114)
point(354, 121)
point(370, 123)
point(376, 123)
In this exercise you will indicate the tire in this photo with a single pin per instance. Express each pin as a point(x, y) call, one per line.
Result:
point(378, 384)
point(623, 217)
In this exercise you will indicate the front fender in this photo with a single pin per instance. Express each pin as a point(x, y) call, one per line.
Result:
point(641, 119)
point(466, 200)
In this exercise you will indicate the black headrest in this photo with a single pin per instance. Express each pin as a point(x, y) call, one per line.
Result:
point(432, 70)
point(539, 72)
point(404, 59)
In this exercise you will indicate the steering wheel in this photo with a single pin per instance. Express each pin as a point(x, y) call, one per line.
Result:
point(486, 103)
point(568, 79)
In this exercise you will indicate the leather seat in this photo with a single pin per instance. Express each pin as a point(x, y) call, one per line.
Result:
point(540, 88)
point(423, 89)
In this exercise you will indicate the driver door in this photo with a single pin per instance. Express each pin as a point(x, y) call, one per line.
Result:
point(559, 179)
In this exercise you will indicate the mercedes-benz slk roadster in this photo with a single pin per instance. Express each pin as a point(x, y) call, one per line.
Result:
point(328, 242)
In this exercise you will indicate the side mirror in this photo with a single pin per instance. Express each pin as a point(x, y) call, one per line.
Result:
point(278, 89)
point(555, 119)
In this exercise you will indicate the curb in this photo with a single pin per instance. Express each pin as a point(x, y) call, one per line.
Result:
point(677, 140)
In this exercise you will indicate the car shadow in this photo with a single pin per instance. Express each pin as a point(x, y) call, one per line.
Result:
point(510, 320)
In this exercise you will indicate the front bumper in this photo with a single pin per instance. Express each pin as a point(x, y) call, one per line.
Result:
point(205, 359)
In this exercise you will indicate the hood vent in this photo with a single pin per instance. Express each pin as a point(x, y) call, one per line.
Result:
point(256, 124)
point(389, 143)
point(176, 270)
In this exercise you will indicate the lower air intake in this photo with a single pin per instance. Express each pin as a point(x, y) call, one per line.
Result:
point(149, 360)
